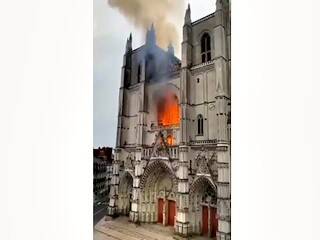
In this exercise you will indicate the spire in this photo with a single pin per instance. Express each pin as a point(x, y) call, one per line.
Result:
point(129, 43)
point(151, 36)
point(170, 49)
point(187, 16)
point(152, 28)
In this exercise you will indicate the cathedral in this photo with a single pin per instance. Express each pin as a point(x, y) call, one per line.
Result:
point(172, 157)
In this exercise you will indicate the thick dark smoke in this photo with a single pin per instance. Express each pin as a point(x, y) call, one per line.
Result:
point(165, 15)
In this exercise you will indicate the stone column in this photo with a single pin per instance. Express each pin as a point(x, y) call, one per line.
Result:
point(112, 208)
point(184, 131)
point(138, 171)
point(182, 218)
point(186, 62)
point(223, 164)
point(141, 108)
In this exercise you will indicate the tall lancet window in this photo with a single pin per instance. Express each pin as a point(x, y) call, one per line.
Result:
point(200, 124)
point(205, 47)
point(139, 73)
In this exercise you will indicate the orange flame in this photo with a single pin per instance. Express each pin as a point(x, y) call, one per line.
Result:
point(169, 111)
point(170, 140)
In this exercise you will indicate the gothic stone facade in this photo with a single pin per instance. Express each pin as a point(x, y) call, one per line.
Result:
point(172, 157)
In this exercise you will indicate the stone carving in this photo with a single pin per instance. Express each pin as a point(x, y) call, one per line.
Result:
point(211, 106)
point(209, 195)
point(212, 162)
point(175, 166)
point(160, 148)
point(202, 164)
point(130, 161)
point(206, 165)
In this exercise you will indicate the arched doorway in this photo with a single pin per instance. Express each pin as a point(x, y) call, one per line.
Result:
point(125, 193)
point(158, 194)
point(203, 200)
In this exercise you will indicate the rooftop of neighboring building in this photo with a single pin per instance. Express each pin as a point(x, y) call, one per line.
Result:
point(103, 153)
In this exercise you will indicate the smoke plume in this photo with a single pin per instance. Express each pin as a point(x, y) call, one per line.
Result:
point(167, 16)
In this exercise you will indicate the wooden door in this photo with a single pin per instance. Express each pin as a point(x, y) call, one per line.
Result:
point(205, 221)
point(160, 210)
point(171, 212)
point(213, 222)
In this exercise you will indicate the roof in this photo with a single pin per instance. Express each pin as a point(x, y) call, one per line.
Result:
point(104, 153)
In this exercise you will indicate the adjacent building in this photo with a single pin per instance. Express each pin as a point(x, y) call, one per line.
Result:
point(172, 156)
point(102, 173)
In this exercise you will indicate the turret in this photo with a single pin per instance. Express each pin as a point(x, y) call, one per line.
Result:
point(151, 36)
point(129, 44)
point(126, 67)
point(186, 63)
point(218, 5)
point(222, 4)
point(187, 39)
point(187, 16)
point(170, 49)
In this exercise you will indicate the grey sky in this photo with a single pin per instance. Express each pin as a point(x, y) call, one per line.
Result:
point(110, 31)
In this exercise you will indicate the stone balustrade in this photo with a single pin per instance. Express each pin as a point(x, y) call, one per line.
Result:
point(173, 152)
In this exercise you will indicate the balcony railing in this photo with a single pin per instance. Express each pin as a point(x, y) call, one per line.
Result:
point(173, 152)
point(155, 126)
point(201, 142)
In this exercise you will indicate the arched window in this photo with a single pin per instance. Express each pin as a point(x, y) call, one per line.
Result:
point(150, 67)
point(168, 110)
point(139, 73)
point(200, 124)
point(205, 47)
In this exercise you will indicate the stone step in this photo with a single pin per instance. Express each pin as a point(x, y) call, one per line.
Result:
point(149, 234)
point(112, 234)
point(159, 229)
point(131, 231)
point(121, 228)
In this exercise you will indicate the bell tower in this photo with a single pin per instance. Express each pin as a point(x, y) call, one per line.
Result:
point(125, 82)
point(223, 151)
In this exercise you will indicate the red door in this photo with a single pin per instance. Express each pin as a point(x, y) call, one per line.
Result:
point(171, 212)
point(204, 221)
point(213, 221)
point(160, 210)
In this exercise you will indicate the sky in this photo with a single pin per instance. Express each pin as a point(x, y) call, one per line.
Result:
point(110, 31)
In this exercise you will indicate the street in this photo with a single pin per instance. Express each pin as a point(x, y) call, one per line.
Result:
point(121, 228)
point(99, 211)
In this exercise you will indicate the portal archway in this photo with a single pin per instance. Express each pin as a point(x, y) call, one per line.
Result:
point(125, 193)
point(203, 202)
point(158, 194)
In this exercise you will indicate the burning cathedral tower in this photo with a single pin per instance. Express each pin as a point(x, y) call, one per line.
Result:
point(172, 156)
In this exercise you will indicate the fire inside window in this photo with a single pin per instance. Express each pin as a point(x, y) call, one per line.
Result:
point(168, 110)
point(170, 140)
